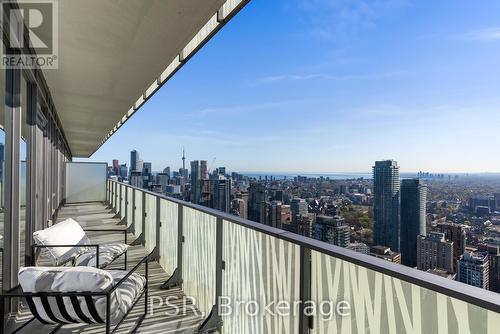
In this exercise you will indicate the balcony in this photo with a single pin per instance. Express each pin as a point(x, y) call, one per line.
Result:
point(215, 261)
point(230, 275)
point(100, 216)
point(214, 255)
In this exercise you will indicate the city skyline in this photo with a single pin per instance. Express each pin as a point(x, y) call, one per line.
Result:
point(214, 164)
point(159, 168)
point(328, 92)
point(452, 234)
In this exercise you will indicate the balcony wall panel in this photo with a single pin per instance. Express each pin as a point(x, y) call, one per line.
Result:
point(85, 182)
point(266, 269)
point(123, 210)
point(261, 269)
point(130, 207)
point(112, 195)
point(150, 226)
point(168, 235)
point(108, 190)
point(118, 204)
point(138, 215)
point(380, 303)
point(198, 257)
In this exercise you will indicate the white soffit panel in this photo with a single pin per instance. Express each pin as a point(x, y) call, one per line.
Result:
point(114, 54)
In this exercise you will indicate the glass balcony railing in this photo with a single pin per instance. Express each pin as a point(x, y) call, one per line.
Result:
point(255, 279)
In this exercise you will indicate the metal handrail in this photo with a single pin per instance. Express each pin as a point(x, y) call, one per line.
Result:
point(480, 297)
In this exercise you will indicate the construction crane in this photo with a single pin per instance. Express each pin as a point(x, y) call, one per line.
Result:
point(212, 164)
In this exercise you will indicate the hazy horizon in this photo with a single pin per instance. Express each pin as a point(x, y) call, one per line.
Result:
point(173, 167)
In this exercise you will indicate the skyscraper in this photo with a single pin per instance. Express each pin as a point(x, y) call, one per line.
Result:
point(497, 201)
point(239, 207)
point(198, 176)
point(184, 175)
point(139, 165)
point(286, 216)
point(147, 174)
point(195, 182)
point(220, 171)
point(386, 187)
point(413, 215)
point(332, 230)
point(123, 171)
point(303, 225)
point(134, 157)
point(116, 167)
point(221, 193)
point(482, 204)
point(299, 208)
point(163, 180)
point(147, 168)
point(203, 169)
point(494, 265)
point(433, 251)
point(257, 196)
point(455, 233)
point(136, 180)
point(271, 214)
point(473, 269)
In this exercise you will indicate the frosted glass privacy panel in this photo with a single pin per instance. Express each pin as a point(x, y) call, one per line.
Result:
point(123, 205)
point(86, 182)
point(379, 303)
point(108, 190)
point(150, 218)
point(138, 214)
point(130, 206)
point(169, 213)
point(198, 256)
point(112, 197)
point(261, 271)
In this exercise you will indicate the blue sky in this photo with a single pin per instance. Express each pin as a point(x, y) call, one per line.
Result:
point(332, 86)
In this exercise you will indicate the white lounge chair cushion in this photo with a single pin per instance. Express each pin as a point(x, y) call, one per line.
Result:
point(81, 279)
point(67, 232)
point(107, 254)
point(130, 289)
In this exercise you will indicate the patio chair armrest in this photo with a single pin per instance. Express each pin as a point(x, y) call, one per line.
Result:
point(35, 247)
point(145, 261)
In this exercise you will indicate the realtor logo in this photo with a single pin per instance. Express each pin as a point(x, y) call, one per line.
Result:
point(32, 34)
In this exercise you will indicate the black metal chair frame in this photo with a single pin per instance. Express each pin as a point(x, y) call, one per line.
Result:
point(18, 293)
point(35, 247)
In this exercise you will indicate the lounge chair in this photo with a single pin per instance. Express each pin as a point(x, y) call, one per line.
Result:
point(66, 243)
point(81, 295)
